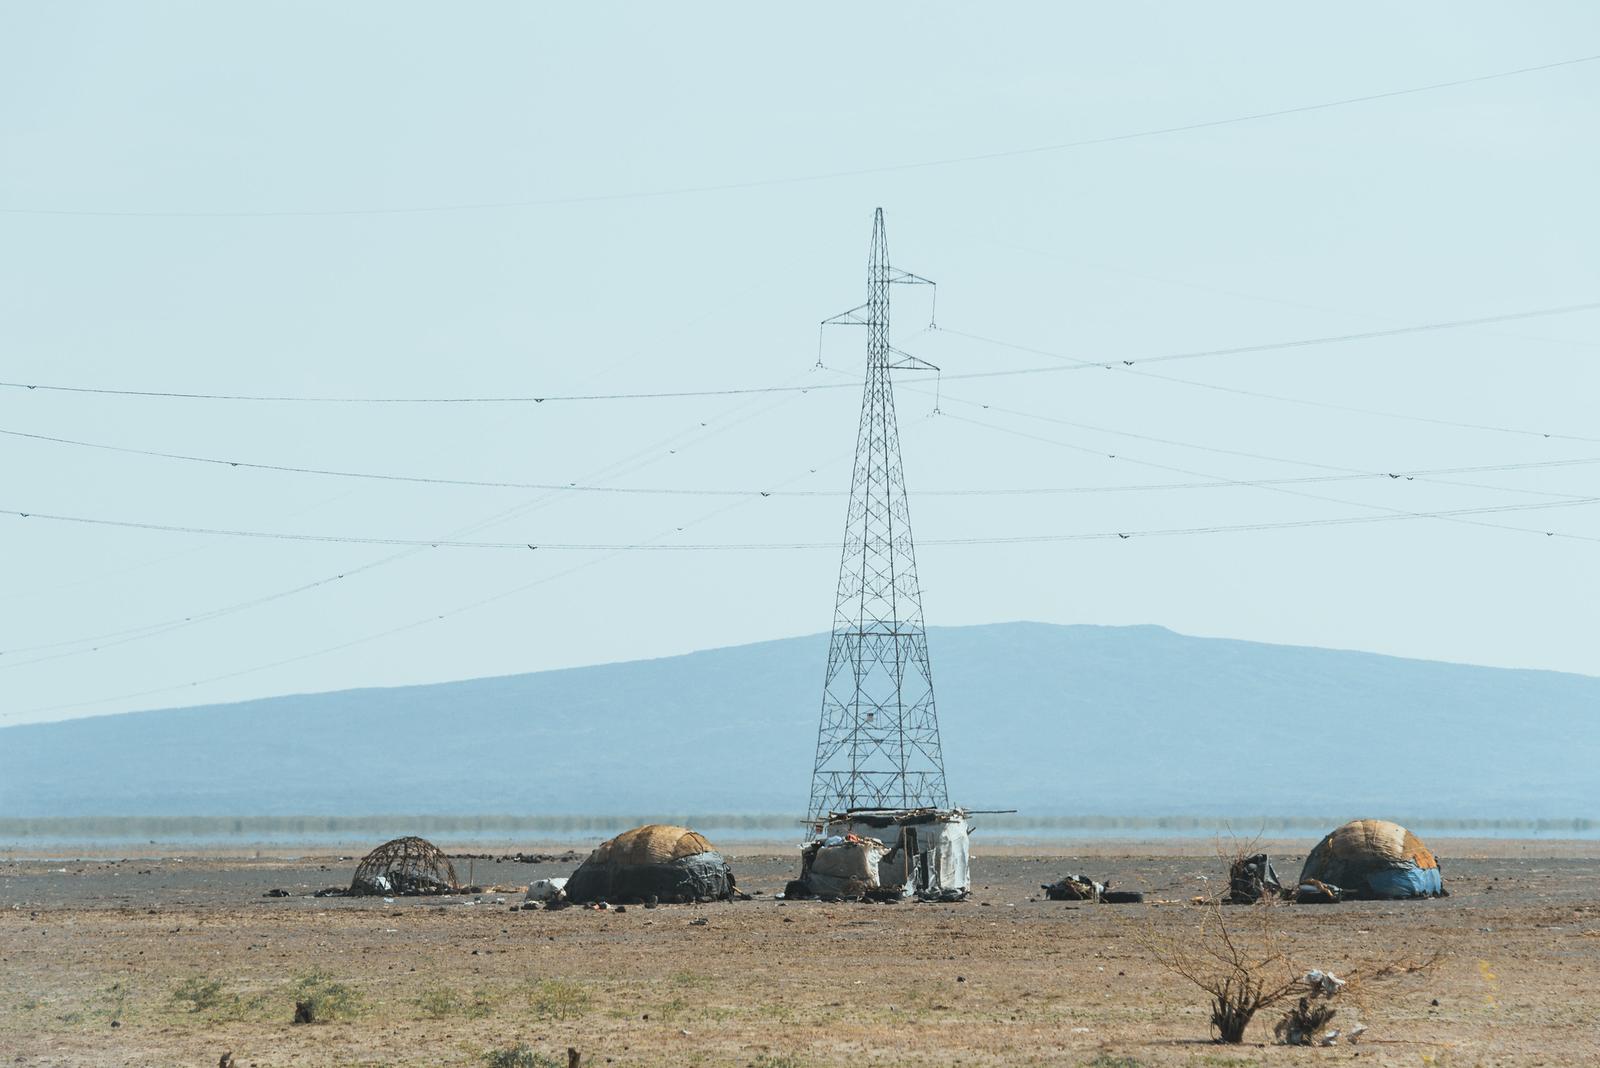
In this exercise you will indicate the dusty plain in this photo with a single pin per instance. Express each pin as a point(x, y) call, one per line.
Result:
point(178, 960)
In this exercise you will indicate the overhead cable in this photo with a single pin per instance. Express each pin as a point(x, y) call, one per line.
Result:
point(634, 462)
point(535, 546)
point(822, 176)
point(1069, 363)
point(1450, 515)
point(688, 491)
point(1131, 367)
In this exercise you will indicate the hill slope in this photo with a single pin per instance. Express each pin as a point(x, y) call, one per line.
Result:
point(1057, 719)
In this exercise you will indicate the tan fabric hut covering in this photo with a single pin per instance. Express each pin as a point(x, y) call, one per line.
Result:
point(654, 843)
point(1374, 858)
point(1381, 838)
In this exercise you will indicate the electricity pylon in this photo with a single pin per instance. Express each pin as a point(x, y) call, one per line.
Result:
point(878, 744)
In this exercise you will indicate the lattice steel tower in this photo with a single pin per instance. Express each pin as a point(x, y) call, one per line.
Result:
point(878, 745)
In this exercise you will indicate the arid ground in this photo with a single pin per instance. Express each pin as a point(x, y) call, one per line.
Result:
point(177, 961)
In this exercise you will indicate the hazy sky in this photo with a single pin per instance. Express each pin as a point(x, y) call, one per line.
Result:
point(216, 198)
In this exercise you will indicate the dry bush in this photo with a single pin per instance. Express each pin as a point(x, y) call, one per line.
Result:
point(1246, 964)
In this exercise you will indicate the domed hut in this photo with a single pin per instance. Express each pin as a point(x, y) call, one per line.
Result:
point(657, 861)
point(1374, 859)
point(406, 866)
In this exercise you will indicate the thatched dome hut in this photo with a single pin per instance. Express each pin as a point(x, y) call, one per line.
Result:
point(657, 861)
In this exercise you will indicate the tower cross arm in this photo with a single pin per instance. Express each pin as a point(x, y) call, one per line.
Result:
point(906, 278)
point(904, 361)
point(857, 316)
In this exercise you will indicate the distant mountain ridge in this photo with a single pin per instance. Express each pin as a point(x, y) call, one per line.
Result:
point(1041, 717)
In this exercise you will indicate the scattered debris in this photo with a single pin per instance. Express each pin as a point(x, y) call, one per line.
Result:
point(1303, 1025)
point(1073, 888)
point(569, 857)
point(1251, 878)
point(1325, 983)
point(1083, 888)
point(546, 889)
point(1317, 892)
point(276, 892)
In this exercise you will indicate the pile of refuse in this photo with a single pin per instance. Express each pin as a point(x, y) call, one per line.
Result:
point(1083, 888)
point(1251, 878)
point(842, 867)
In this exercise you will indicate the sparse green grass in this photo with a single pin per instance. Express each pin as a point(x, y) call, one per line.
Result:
point(688, 980)
point(520, 1056)
point(1111, 1060)
point(672, 1008)
point(441, 1002)
point(200, 994)
point(438, 1003)
point(329, 1000)
point(777, 1060)
point(558, 999)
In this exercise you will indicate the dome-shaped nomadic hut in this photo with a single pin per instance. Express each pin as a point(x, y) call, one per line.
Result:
point(658, 860)
point(1374, 859)
point(409, 866)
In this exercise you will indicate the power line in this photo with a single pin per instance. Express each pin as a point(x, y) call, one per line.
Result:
point(722, 187)
point(685, 491)
point(562, 487)
point(1074, 363)
point(639, 459)
point(535, 546)
point(554, 398)
point(1069, 363)
point(1342, 473)
point(473, 605)
point(1367, 335)
point(1186, 531)
point(1272, 346)
point(1456, 515)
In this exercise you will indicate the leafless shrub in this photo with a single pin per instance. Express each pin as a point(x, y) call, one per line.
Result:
point(1244, 966)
